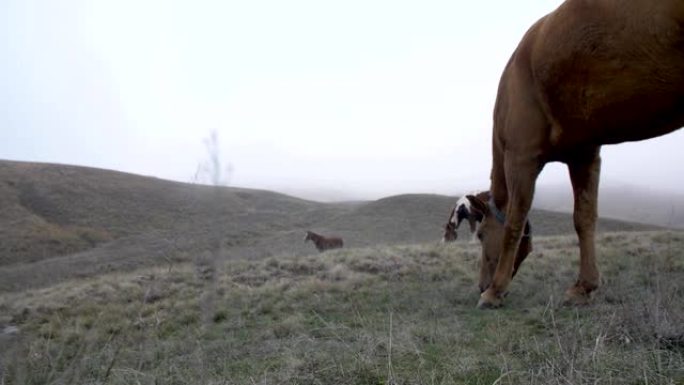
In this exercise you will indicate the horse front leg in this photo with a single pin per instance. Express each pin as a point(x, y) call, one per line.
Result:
point(521, 173)
point(584, 175)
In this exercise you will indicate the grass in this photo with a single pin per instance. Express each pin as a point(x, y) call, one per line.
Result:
point(384, 315)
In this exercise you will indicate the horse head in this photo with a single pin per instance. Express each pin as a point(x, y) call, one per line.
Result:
point(450, 234)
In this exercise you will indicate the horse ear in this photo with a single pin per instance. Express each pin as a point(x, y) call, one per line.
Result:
point(477, 204)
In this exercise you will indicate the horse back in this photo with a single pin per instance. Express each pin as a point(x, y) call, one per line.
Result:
point(335, 243)
point(601, 71)
point(327, 243)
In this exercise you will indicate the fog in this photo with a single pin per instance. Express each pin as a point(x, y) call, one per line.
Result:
point(344, 100)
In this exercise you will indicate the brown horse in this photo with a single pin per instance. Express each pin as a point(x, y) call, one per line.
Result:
point(463, 211)
point(323, 243)
point(589, 73)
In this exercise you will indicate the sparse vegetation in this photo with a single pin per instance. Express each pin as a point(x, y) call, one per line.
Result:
point(111, 278)
point(379, 315)
point(62, 222)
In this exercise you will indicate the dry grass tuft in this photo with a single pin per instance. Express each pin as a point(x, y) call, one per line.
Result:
point(399, 315)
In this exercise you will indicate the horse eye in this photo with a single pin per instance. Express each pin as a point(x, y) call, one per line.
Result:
point(479, 235)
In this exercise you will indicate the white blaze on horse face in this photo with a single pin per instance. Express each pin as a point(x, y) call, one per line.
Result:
point(463, 201)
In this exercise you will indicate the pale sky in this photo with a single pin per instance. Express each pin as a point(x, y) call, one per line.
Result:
point(362, 98)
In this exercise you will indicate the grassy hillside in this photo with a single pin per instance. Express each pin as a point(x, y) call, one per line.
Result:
point(61, 222)
point(377, 315)
point(625, 202)
point(402, 219)
point(54, 210)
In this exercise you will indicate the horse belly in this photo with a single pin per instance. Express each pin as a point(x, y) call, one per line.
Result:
point(645, 116)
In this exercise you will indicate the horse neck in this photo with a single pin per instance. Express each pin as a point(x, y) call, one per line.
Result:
point(498, 189)
point(452, 215)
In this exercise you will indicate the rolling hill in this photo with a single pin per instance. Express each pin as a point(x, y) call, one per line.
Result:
point(621, 201)
point(61, 221)
point(107, 277)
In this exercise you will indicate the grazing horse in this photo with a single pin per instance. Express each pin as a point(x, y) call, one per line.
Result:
point(587, 74)
point(323, 243)
point(463, 211)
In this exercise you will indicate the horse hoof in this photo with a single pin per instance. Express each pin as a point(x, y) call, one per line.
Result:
point(576, 296)
point(489, 300)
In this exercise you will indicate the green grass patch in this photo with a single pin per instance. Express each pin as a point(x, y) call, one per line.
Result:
point(399, 315)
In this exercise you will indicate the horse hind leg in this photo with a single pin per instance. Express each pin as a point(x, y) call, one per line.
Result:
point(584, 175)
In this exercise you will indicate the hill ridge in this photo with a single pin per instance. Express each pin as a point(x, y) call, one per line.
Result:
point(60, 221)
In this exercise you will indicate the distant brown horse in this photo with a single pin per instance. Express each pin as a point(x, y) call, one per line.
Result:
point(324, 243)
point(588, 74)
point(463, 211)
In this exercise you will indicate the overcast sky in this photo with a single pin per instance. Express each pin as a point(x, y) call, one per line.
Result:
point(362, 98)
